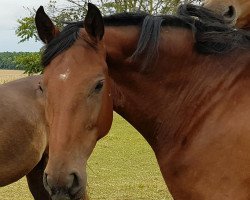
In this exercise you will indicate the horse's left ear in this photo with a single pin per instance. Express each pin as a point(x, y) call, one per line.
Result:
point(93, 22)
point(45, 27)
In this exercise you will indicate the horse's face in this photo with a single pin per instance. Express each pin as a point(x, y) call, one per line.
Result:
point(235, 12)
point(78, 107)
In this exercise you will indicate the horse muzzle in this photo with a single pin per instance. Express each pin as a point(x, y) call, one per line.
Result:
point(72, 189)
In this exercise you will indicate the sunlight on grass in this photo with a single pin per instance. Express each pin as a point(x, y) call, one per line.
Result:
point(123, 166)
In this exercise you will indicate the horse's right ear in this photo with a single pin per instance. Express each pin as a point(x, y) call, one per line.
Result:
point(45, 27)
point(93, 22)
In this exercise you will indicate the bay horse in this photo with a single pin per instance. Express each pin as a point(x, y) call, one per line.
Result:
point(23, 135)
point(182, 81)
point(235, 12)
point(78, 101)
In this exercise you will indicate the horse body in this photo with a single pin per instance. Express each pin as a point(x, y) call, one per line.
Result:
point(193, 109)
point(235, 12)
point(184, 86)
point(23, 135)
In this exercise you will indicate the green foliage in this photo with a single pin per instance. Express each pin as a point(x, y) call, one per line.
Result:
point(59, 15)
point(150, 6)
point(26, 29)
point(7, 60)
point(29, 62)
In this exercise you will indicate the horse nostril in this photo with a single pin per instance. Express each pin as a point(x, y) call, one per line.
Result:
point(230, 13)
point(75, 180)
point(76, 184)
point(70, 185)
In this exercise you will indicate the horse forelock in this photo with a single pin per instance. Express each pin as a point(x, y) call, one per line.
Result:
point(62, 42)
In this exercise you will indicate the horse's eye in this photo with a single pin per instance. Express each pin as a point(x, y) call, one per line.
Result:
point(99, 86)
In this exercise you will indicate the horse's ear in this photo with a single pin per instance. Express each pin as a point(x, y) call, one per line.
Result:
point(93, 22)
point(45, 27)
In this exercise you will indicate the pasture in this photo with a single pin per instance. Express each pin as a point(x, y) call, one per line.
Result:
point(122, 166)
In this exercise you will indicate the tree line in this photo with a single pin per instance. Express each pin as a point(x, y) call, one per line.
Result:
point(7, 60)
point(28, 61)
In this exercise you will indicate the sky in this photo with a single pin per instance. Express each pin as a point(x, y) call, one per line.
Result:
point(10, 11)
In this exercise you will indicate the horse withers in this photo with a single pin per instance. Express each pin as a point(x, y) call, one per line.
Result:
point(78, 101)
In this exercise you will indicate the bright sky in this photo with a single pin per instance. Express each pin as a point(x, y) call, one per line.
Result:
point(10, 11)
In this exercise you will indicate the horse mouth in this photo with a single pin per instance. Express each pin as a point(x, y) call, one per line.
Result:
point(228, 13)
point(230, 16)
point(231, 24)
point(62, 196)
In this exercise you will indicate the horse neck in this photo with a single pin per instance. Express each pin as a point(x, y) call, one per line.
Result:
point(167, 103)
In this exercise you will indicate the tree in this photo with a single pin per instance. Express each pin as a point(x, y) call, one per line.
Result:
point(7, 60)
point(29, 62)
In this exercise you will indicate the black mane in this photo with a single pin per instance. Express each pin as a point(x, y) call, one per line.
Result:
point(212, 35)
point(63, 41)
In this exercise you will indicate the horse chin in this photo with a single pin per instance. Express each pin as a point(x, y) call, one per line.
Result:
point(60, 197)
point(79, 196)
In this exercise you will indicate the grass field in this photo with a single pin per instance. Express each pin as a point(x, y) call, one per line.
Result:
point(122, 167)
point(10, 75)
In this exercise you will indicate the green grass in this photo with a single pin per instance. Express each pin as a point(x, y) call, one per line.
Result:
point(122, 167)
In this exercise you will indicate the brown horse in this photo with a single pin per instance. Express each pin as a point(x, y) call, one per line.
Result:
point(23, 136)
point(78, 101)
point(235, 12)
point(183, 82)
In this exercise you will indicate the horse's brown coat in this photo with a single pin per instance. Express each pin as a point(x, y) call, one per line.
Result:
point(78, 105)
point(22, 128)
point(193, 109)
